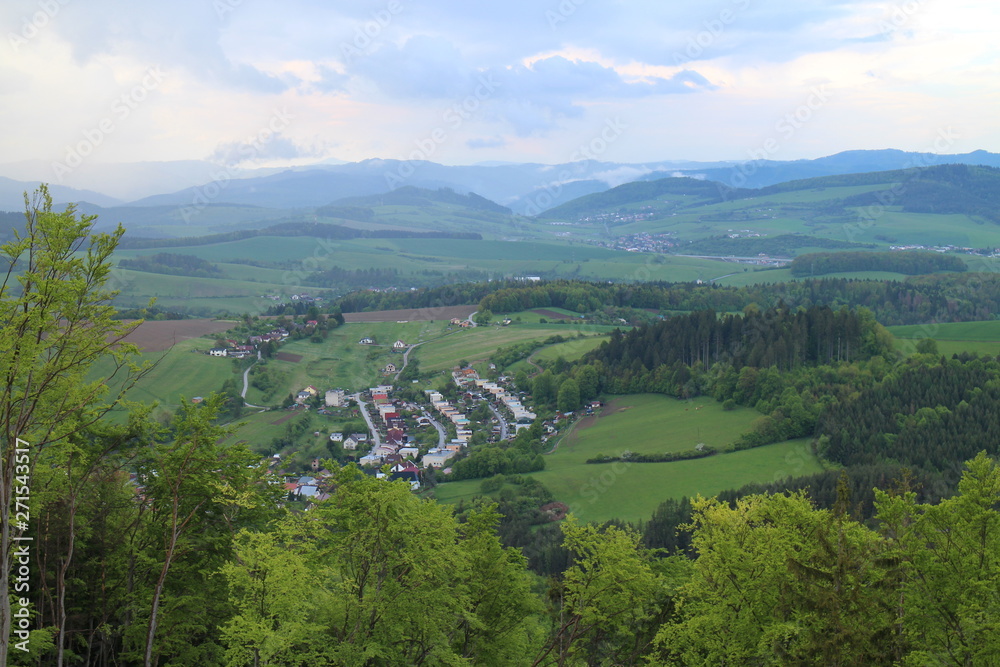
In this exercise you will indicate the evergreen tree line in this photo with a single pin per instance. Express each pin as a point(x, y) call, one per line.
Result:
point(961, 297)
point(172, 264)
point(337, 277)
point(777, 337)
point(930, 415)
point(910, 263)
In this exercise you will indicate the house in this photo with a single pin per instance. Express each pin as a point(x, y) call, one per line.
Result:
point(218, 352)
point(370, 459)
point(336, 437)
point(436, 458)
point(366, 341)
point(302, 397)
point(335, 398)
point(389, 368)
point(399, 345)
point(406, 470)
point(350, 443)
point(360, 438)
point(395, 434)
point(312, 391)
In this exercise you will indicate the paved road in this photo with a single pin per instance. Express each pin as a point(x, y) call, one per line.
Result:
point(376, 440)
point(442, 434)
point(503, 422)
point(246, 383)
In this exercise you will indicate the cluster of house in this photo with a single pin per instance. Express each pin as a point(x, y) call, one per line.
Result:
point(437, 457)
point(395, 449)
point(317, 487)
point(239, 350)
point(305, 298)
point(468, 377)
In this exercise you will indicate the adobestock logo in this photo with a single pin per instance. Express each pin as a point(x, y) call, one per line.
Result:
point(94, 136)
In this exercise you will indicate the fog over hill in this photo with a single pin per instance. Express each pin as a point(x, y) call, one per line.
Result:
point(525, 188)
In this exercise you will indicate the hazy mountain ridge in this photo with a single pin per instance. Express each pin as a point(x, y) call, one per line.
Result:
point(522, 187)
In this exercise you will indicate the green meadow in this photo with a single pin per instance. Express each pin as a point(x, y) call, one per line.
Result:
point(653, 423)
point(477, 344)
point(952, 337)
point(183, 371)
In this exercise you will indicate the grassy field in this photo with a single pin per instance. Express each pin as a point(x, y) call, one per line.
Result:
point(633, 492)
point(340, 361)
point(651, 423)
point(179, 372)
point(952, 337)
point(477, 344)
point(570, 350)
point(259, 429)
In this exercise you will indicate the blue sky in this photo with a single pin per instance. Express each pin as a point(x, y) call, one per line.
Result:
point(266, 83)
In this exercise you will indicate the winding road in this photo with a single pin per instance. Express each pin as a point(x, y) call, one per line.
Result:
point(246, 384)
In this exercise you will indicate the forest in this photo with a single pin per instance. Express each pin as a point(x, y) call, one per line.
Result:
point(952, 297)
point(909, 263)
point(172, 264)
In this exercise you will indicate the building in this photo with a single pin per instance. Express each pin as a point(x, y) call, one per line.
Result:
point(436, 458)
point(218, 352)
point(335, 398)
point(399, 345)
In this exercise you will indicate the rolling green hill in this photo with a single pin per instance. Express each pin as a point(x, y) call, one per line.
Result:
point(942, 205)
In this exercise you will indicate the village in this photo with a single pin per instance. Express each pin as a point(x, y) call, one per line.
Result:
point(409, 434)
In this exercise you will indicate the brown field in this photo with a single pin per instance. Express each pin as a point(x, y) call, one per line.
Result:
point(551, 314)
point(412, 314)
point(162, 335)
point(288, 356)
point(282, 420)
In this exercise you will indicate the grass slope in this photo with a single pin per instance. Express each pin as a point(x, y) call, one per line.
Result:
point(179, 372)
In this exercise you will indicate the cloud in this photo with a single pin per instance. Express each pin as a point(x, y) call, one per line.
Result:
point(181, 34)
point(264, 148)
point(616, 177)
point(486, 142)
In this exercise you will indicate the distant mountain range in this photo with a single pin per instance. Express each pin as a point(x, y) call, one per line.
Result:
point(524, 188)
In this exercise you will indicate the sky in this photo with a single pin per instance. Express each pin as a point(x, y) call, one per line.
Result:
point(259, 83)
